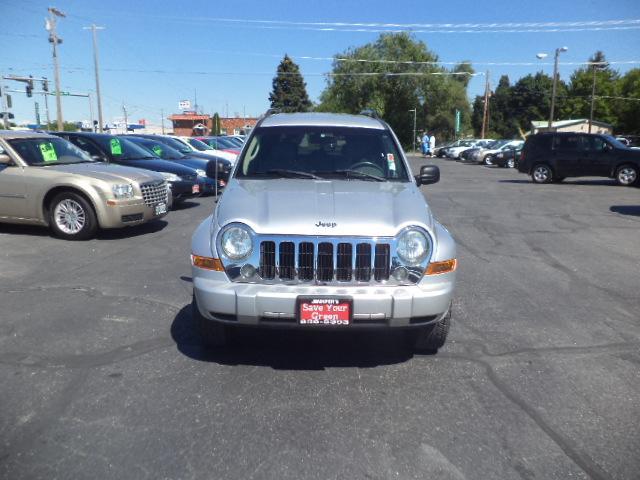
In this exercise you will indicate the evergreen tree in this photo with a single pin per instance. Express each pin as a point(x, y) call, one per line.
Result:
point(289, 92)
point(215, 124)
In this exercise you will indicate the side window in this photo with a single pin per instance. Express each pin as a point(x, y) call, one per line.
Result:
point(597, 144)
point(567, 143)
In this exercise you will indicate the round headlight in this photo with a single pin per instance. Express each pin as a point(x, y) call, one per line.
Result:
point(236, 243)
point(412, 247)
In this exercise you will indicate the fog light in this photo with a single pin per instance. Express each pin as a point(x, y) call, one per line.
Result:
point(247, 271)
point(400, 274)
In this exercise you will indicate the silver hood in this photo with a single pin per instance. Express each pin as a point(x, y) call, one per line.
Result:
point(323, 207)
point(108, 172)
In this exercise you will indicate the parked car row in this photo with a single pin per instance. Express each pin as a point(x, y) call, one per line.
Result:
point(77, 182)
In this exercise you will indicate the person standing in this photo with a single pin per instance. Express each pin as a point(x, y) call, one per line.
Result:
point(425, 144)
point(432, 144)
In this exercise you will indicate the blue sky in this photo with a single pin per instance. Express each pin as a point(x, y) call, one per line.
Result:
point(239, 58)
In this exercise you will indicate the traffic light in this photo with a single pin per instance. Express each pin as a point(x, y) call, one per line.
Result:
point(30, 86)
point(45, 85)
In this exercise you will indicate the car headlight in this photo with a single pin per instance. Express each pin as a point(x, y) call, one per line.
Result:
point(412, 247)
point(201, 173)
point(236, 243)
point(122, 191)
point(170, 177)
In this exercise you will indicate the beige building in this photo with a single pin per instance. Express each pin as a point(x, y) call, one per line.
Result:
point(580, 125)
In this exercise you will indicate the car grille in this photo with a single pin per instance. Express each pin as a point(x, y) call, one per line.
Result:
point(325, 261)
point(154, 192)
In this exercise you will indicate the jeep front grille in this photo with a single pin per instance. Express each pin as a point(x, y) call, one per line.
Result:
point(154, 192)
point(325, 262)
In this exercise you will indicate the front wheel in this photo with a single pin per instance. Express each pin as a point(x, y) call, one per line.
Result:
point(72, 217)
point(432, 337)
point(542, 174)
point(626, 175)
point(511, 163)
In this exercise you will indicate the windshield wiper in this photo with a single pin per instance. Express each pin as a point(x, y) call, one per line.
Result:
point(293, 173)
point(361, 175)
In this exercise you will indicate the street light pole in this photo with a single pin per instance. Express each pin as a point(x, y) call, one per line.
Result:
point(593, 96)
point(93, 29)
point(555, 85)
point(54, 40)
point(415, 113)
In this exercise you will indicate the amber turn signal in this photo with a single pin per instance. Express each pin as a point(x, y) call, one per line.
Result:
point(436, 268)
point(207, 263)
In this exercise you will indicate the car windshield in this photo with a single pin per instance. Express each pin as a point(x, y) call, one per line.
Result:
point(198, 145)
point(326, 152)
point(47, 151)
point(496, 144)
point(226, 143)
point(175, 144)
point(123, 149)
point(615, 142)
point(160, 149)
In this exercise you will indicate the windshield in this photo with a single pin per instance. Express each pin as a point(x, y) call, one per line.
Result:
point(159, 149)
point(176, 145)
point(198, 145)
point(615, 142)
point(326, 152)
point(46, 151)
point(123, 149)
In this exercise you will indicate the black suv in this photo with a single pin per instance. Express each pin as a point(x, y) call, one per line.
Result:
point(551, 157)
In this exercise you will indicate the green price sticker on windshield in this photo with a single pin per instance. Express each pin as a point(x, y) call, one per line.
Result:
point(48, 152)
point(157, 150)
point(116, 147)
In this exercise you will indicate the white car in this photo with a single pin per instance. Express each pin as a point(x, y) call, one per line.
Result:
point(455, 151)
point(198, 146)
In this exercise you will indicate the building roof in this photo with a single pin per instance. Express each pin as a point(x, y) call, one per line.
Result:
point(187, 116)
point(566, 123)
point(322, 120)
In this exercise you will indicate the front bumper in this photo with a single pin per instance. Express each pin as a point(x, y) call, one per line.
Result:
point(182, 190)
point(126, 213)
point(374, 306)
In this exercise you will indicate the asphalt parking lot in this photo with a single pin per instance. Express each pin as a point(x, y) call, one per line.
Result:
point(102, 375)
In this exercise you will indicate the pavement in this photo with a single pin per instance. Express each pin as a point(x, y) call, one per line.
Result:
point(103, 377)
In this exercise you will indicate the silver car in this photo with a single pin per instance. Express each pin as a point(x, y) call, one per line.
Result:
point(322, 226)
point(46, 180)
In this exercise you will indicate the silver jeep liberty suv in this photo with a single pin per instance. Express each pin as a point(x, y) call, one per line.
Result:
point(323, 226)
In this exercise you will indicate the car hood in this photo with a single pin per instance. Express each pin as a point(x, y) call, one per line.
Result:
point(159, 165)
point(108, 172)
point(327, 208)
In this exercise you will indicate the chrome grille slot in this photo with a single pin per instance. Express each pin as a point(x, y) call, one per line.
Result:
point(154, 192)
point(305, 261)
point(324, 268)
point(267, 268)
point(344, 262)
point(381, 262)
point(286, 261)
point(363, 262)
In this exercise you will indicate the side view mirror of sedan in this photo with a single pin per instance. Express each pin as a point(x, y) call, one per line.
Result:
point(428, 174)
point(5, 159)
point(216, 169)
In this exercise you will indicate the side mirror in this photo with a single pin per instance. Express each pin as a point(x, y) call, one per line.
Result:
point(428, 174)
point(218, 169)
point(5, 159)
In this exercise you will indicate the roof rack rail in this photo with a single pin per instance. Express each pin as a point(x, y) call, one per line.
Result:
point(369, 112)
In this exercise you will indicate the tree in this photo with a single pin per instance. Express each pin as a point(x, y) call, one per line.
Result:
point(215, 124)
point(289, 92)
point(629, 109)
point(578, 101)
point(373, 76)
point(531, 99)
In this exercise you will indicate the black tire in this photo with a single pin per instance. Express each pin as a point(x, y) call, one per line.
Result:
point(486, 160)
point(212, 334)
point(627, 175)
point(69, 210)
point(430, 338)
point(541, 173)
point(558, 179)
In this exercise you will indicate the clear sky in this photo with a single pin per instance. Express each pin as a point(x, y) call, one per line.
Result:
point(154, 53)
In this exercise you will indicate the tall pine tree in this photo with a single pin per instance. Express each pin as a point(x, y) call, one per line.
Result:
point(289, 92)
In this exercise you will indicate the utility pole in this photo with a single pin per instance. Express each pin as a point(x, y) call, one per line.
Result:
point(555, 85)
point(126, 120)
point(162, 120)
point(415, 113)
point(485, 112)
point(593, 96)
point(94, 29)
point(50, 25)
point(5, 107)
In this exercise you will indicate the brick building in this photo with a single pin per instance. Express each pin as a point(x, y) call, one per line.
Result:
point(190, 124)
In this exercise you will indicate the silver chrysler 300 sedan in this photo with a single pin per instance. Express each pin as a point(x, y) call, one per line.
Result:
point(323, 226)
point(46, 180)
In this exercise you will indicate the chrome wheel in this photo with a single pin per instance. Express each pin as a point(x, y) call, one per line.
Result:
point(69, 216)
point(511, 163)
point(542, 174)
point(627, 176)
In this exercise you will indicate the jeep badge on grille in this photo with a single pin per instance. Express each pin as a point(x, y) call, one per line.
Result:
point(326, 224)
